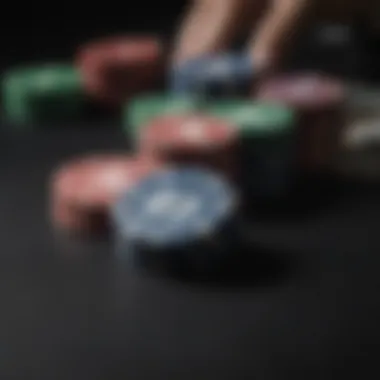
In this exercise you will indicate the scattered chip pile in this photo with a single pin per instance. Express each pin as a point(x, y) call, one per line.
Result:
point(176, 197)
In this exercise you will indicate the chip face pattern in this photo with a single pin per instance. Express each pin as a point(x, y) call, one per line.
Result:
point(177, 213)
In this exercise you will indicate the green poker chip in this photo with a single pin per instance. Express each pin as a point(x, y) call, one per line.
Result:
point(141, 110)
point(50, 92)
point(255, 119)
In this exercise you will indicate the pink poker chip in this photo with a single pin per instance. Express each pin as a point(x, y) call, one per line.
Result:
point(304, 91)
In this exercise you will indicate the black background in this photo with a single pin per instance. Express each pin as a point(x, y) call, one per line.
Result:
point(72, 311)
point(55, 32)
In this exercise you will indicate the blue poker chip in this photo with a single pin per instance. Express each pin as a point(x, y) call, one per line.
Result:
point(224, 74)
point(181, 213)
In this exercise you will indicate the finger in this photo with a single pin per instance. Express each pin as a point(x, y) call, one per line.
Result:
point(210, 27)
point(275, 34)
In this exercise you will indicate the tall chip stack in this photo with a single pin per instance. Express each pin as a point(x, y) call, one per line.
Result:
point(320, 105)
point(266, 148)
point(181, 219)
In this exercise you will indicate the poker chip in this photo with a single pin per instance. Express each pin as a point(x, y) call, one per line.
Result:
point(261, 119)
point(359, 157)
point(364, 132)
point(43, 93)
point(116, 68)
point(83, 190)
point(267, 137)
point(215, 75)
point(196, 139)
point(320, 105)
point(182, 215)
point(141, 110)
point(307, 91)
point(363, 115)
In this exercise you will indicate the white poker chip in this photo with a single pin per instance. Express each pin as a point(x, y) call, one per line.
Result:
point(360, 157)
point(363, 133)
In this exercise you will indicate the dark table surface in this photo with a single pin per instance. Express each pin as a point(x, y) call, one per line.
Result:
point(73, 312)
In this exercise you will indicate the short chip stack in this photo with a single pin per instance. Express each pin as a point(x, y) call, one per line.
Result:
point(182, 218)
point(42, 94)
point(266, 148)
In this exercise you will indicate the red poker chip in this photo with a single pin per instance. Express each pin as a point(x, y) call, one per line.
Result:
point(82, 191)
point(124, 49)
point(116, 68)
point(192, 139)
point(135, 51)
point(304, 91)
point(190, 133)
